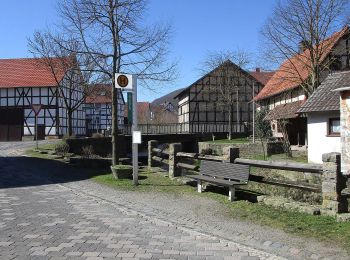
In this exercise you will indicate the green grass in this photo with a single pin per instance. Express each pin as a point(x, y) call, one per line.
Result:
point(283, 157)
point(155, 182)
point(48, 146)
point(243, 140)
point(36, 154)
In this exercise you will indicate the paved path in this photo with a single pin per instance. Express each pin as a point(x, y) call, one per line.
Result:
point(17, 148)
point(45, 217)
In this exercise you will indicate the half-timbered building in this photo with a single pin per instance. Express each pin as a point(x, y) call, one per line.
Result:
point(98, 108)
point(202, 106)
point(283, 95)
point(25, 82)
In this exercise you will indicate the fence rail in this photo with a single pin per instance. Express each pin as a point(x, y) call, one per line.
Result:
point(288, 166)
point(178, 128)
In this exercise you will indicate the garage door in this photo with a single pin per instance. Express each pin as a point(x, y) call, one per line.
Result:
point(11, 124)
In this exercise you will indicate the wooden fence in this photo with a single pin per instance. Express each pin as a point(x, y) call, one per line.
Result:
point(331, 186)
point(298, 167)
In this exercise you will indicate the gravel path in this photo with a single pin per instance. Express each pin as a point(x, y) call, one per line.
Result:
point(18, 148)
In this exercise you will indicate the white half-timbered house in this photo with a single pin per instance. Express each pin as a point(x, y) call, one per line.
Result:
point(98, 108)
point(24, 82)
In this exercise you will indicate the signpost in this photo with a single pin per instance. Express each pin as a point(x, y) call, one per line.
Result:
point(130, 107)
point(128, 82)
point(36, 109)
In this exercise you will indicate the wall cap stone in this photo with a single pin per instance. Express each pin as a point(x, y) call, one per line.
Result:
point(331, 157)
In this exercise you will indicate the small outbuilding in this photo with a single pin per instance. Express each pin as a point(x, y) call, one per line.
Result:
point(323, 117)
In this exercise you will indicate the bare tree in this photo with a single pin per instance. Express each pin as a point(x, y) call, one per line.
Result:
point(65, 68)
point(263, 128)
point(228, 80)
point(112, 33)
point(297, 33)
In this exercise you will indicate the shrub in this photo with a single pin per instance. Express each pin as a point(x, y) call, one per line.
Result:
point(87, 151)
point(61, 148)
point(207, 151)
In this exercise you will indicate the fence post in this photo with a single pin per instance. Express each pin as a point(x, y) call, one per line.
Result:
point(151, 144)
point(174, 171)
point(231, 153)
point(333, 182)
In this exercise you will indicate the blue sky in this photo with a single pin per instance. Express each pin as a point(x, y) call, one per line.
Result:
point(199, 26)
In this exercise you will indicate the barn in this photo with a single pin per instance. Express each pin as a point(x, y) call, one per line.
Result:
point(25, 82)
point(203, 108)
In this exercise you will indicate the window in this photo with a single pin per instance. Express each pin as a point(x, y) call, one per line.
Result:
point(334, 127)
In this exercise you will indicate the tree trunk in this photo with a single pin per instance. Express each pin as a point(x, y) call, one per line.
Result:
point(115, 152)
point(70, 122)
point(230, 123)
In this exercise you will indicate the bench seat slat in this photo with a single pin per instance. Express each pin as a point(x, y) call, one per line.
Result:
point(226, 175)
point(216, 181)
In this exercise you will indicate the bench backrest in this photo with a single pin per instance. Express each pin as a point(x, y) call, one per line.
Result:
point(223, 170)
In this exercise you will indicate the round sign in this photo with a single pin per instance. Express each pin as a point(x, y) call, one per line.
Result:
point(122, 81)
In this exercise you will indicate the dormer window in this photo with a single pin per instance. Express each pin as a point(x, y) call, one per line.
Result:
point(103, 93)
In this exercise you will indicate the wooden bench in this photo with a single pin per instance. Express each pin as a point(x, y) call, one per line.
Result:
point(222, 174)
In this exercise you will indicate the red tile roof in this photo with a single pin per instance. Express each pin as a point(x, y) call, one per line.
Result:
point(28, 72)
point(262, 76)
point(99, 93)
point(293, 71)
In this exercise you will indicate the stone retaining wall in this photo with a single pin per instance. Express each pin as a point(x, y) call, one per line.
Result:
point(102, 146)
point(248, 150)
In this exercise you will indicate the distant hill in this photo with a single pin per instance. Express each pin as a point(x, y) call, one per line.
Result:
point(168, 98)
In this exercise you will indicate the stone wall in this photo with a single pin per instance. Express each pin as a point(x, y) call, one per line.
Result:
point(101, 146)
point(333, 182)
point(247, 151)
point(345, 132)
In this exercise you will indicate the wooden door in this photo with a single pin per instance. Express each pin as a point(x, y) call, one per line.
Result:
point(41, 132)
point(11, 124)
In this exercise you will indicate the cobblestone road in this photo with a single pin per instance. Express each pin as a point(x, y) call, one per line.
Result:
point(50, 221)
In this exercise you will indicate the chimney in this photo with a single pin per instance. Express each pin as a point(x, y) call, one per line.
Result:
point(257, 69)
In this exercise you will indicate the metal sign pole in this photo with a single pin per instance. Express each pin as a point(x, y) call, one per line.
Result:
point(130, 106)
point(135, 163)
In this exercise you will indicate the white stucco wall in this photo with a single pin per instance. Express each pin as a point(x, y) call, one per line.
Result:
point(318, 141)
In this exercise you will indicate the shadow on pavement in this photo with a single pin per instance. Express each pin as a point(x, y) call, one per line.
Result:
point(28, 171)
